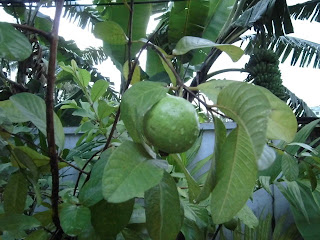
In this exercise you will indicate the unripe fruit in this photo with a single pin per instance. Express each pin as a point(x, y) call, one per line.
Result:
point(172, 125)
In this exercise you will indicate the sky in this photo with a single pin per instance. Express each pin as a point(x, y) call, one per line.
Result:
point(303, 82)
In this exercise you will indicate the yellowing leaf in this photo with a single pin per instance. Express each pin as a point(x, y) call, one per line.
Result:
point(136, 73)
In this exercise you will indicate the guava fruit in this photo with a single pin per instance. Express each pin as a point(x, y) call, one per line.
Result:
point(172, 125)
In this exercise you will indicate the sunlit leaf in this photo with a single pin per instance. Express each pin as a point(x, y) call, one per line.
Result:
point(247, 217)
point(188, 43)
point(212, 88)
point(136, 73)
point(282, 122)
point(110, 32)
point(98, 89)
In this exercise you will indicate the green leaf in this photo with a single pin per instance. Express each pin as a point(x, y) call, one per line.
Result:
point(282, 123)
point(136, 102)
point(247, 217)
point(236, 171)
point(15, 194)
point(17, 222)
point(188, 43)
point(220, 138)
point(39, 235)
point(267, 158)
point(290, 167)
point(83, 77)
point(98, 89)
point(104, 109)
point(25, 161)
point(91, 192)
point(185, 20)
point(162, 206)
point(34, 108)
point(245, 104)
point(212, 88)
point(301, 136)
point(14, 46)
point(136, 74)
point(108, 219)
point(37, 158)
point(110, 32)
point(11, 112)
point(193, 186)
point(74, 218)
point(129, 173)
point(295, 197)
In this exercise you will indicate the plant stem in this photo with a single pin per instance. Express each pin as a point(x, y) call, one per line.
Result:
point(34, 30)
point(216, 232)
point(210, 75)
point(49, 119)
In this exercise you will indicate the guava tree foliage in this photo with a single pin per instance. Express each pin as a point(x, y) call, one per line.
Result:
point(131, 184)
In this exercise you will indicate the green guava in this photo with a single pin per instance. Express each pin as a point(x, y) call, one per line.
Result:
point(231, 225)
point(172, 125)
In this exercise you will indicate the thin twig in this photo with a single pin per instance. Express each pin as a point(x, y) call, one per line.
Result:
point(210, 75)
point(216, 232)
point(73, 166)
point(49, 119)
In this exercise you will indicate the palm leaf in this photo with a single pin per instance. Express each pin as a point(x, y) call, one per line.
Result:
point(299, 107)
point(83, 17)
point(307, 10)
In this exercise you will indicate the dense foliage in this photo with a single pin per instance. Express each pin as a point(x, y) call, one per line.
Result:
point(128, 186)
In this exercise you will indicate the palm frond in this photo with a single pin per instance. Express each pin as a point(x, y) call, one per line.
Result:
point(83, 17)
point(299, 107)
point(303, 52)
point(307, 10)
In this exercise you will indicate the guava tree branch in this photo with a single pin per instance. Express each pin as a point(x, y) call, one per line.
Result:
point(46, 35)
point(49, 120)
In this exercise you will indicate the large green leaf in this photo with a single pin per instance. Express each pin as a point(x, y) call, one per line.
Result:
point(11, 112)
point(15, 194)
point(282, 124)
point(163, 210)
point(136, 102)
point(74, 218)
point(236, 171)
point(14, 46)
point(38, 235)
point(91, 192)
point(25, 160)
point(129, 173)
point(34, 108)
point(245, 104)
point(236, 165)
point(108, 219)
point(110, 32)
point(188, 43)
point(187, 19)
